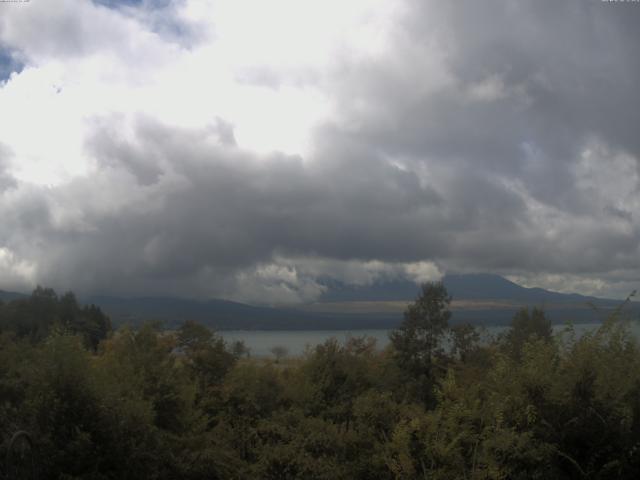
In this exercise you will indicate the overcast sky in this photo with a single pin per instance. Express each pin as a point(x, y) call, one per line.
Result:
point(249, 149)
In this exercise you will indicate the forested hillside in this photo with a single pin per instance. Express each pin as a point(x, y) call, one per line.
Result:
point(148, 403)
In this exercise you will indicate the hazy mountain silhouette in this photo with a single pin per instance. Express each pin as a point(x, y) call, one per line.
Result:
point(8, 296)
point(481, 299)
point(492, 300)
point(223, 314)
point(476, 286)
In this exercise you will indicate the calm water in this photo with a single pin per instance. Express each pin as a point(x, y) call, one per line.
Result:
point(260, 342)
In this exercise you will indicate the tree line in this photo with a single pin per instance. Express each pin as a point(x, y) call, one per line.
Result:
point(148, 403)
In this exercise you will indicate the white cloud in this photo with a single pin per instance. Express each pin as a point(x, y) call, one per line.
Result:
point(86, 60)
point(15, 272)
point(423, 272)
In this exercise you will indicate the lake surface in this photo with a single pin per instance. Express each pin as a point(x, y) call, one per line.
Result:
point(260, 342)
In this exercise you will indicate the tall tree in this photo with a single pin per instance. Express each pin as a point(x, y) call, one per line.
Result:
point(526, 325)
point(417, 341)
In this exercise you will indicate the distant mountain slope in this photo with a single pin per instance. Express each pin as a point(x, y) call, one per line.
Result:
point(494, 287)
point(8, 296)
point(392, 290)
point(478, 298)
point(480, 286)
point(222, 314)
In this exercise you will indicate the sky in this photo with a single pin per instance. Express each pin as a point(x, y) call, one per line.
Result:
point(251, 150)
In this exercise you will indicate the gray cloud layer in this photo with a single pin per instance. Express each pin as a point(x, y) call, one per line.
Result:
point(492, 136)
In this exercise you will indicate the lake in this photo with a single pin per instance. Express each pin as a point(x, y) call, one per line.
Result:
point(260, 342)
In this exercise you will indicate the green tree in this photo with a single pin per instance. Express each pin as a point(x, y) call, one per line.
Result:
point(417, 342)
point(465, 339)
point(37, 316)
point(206, 354)
point(525, 326)
point(279, 352)
point(333, 376)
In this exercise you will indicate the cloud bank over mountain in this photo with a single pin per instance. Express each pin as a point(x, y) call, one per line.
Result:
point(247, 150)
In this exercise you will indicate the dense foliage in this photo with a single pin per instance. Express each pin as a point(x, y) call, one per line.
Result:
point(34, 318)
point(148, 403)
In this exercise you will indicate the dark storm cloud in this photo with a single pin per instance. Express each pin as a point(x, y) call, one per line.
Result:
point(528, 87)
point(209, 208)
point(233, 208)
point(564, 72)
point(492, 136)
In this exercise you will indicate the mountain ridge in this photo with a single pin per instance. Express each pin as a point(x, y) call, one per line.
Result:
point(474, 286)
point(7, 296)
point(479, 298)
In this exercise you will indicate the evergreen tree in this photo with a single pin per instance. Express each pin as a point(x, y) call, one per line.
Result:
point(417, 342)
